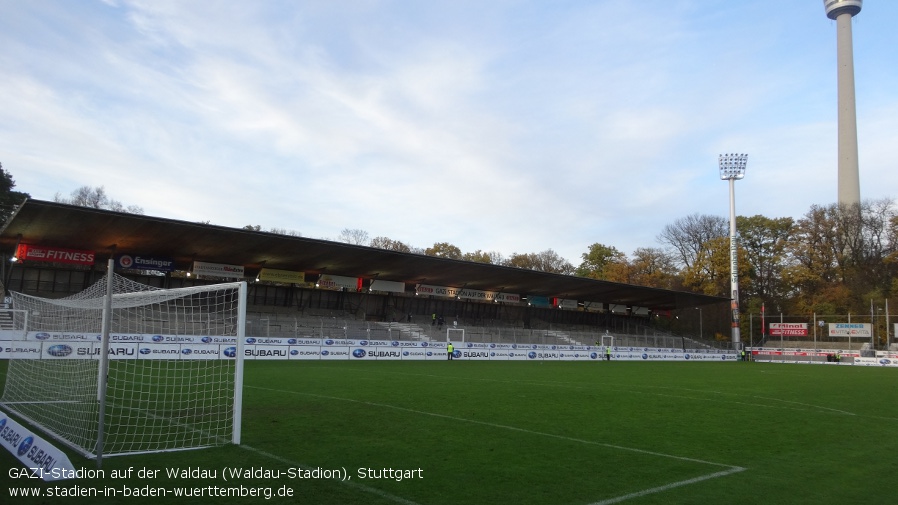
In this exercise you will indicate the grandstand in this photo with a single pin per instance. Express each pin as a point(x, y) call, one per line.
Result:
point(290, 323)
point(514, 305)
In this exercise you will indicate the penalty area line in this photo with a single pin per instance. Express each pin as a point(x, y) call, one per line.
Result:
point(667, 487)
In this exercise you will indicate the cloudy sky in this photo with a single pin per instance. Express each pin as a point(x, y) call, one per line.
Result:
point(500, 125)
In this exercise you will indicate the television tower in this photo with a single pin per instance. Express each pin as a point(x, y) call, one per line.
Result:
point(849, 179)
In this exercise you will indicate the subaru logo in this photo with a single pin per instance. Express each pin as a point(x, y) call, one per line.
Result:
point(645, 356)
point(531, 355)
point(492, 346)
point(359, 353)
point(294, 352)
point(328, 342)
point(686, 356)
point(291, 341)
point(207, 340)
point(424, 344)
point(186, 351)
point(533, 346)
point(405, 353)
point(324, 352)
point(885, 361)
point(144, 350)
point(593, 355)
point(250, 340)
point(430, 353)
point(25, 445)
point(2, 423)
point(42, 336)
point(470, 345)
point(59, 350)
point(514, 346)
point(363, 342)
point(230, 352)
point(158, 338)
point(394, 343)
point(456, 354)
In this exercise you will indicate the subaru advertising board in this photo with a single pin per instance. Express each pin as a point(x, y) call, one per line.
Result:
point(332, 352)
point(146, 346)
point(200, 351)
point(159, 351)
point(19, 349)
point(266, 352)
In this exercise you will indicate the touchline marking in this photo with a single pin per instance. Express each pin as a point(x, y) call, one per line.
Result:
point(349, 483)
point(730, 469)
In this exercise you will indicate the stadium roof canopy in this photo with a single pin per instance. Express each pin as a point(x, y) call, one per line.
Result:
point(45, 223)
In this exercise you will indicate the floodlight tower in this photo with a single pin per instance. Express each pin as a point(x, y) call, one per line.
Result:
point(732, 168)
point(849, 180)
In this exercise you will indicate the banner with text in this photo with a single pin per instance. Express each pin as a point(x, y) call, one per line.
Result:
point(218, 270)
point(851, 330)
point(789, 329)
point(28, 252)
point(66, 346)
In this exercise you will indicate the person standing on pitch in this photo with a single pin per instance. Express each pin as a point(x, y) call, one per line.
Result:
point(450, 350)
point(607, 353)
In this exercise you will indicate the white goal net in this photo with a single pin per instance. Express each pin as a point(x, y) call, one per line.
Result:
point(455, 334)
point(173, 361)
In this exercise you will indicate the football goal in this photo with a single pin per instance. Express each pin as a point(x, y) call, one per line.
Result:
point(455, 334)
point(142, 370)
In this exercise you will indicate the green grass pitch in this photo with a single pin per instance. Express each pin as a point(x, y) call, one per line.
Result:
point(536, 433)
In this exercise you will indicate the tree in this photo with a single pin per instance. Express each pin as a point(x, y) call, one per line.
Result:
point(601, 262)
point(765, 242)
point(9, 199)
point(390, 244)
point(841, 255)
point(96, 198)
point(654, 268)
point(444, 250)
point(814, 257)
point(710, 272)
point(284, 231)
point(478, 256)
point(687, 236)
point(253, 227)
point(353, 236)
point(546, 261)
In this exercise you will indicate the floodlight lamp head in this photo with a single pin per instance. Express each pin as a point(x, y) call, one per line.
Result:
point(732, 166)
point(835, 8)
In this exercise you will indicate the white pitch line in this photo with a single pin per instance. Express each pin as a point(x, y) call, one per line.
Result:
point(730, 469)
point(808, 405)
point(349, 483)
point(670, 486)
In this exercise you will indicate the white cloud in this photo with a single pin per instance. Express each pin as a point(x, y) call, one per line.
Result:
point(510, 126)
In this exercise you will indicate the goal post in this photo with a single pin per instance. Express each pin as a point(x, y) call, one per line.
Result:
point(607, 340)
point(175, 367)
point(455, 335)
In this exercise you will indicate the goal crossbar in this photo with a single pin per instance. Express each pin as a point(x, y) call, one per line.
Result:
point(165, 373)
